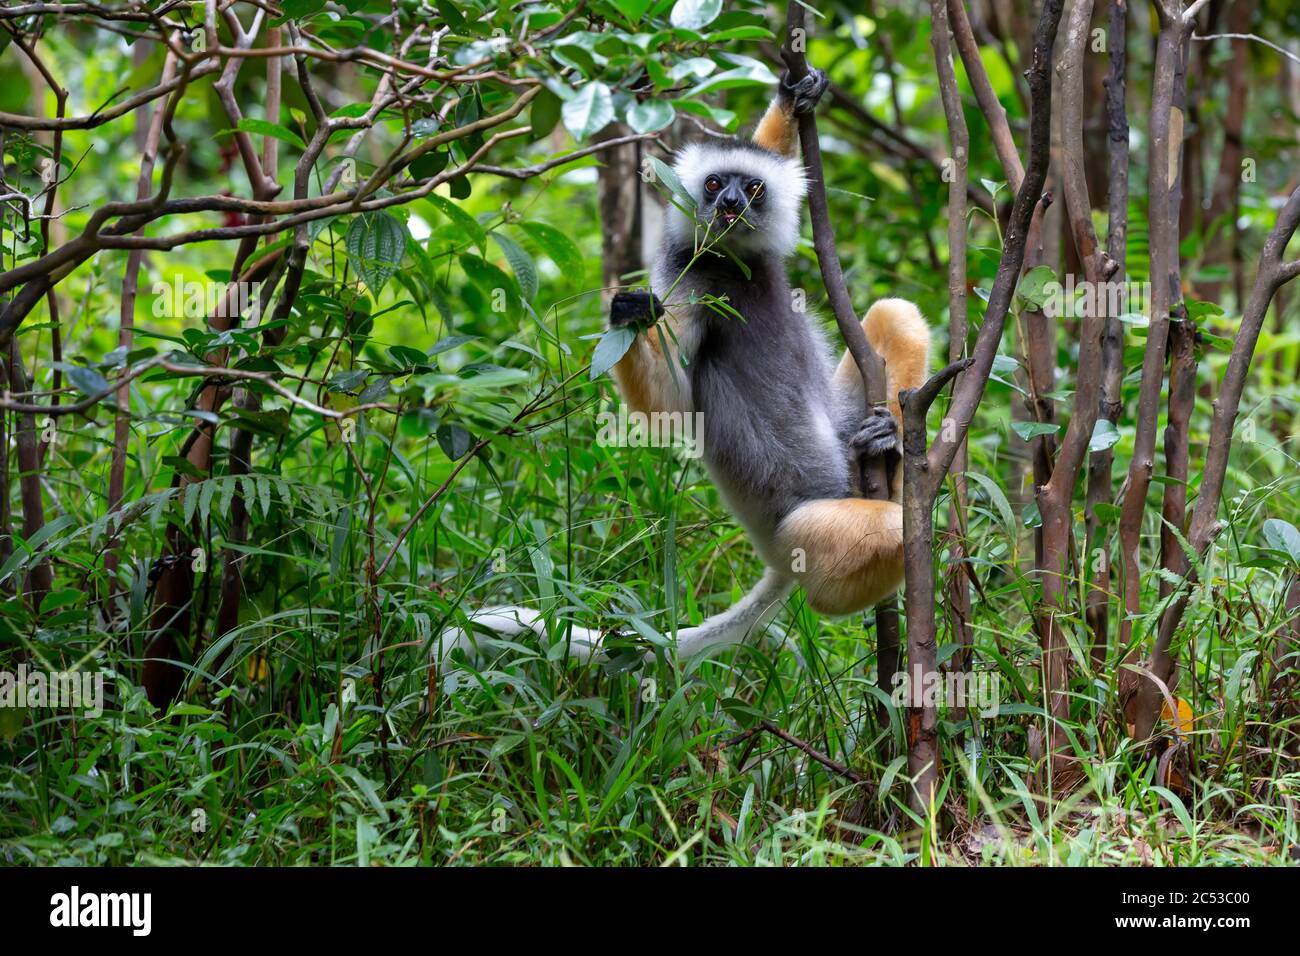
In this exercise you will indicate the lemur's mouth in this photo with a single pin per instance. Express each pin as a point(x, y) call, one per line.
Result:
point(728, 216)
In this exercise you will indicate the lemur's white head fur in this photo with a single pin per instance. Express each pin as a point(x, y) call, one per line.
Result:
point(776, 231)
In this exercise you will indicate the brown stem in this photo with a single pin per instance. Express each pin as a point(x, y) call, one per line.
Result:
point(970, 389)
point(923, 471)
point(957, 586)
point(1221, 216)
point(1055, 497)
point(1097, 602)
point(874, 473)
point(1273, 272)
point(40, 578)
point(1162, 191)
point(870, 365)
point(148, 135)
point(994, 113)
point(1182, 397)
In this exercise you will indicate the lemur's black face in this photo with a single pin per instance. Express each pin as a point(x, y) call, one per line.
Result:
point(730, 198)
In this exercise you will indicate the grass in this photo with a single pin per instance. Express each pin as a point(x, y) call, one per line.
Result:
point(292, 746)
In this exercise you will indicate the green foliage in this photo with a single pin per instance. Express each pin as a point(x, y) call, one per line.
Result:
point(316, 727)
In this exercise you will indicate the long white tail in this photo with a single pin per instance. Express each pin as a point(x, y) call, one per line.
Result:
point(511, 621)
point(732, 626)
point(739, 621)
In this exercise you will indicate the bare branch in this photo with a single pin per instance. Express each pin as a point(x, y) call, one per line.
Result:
point(1252, 38)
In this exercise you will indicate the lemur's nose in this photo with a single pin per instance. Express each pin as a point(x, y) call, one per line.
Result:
point(731, 198)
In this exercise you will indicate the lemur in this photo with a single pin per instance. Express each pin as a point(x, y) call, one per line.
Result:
point(784, 427)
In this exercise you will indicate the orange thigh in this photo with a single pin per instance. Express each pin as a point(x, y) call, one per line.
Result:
point(847, 553)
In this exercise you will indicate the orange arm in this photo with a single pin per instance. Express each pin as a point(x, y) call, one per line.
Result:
point(778, 130)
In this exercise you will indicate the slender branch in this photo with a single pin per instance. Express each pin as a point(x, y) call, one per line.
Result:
point(149, 128)
point(924, 470)
point(528, 172)
point(1163, 175)
point(1055, 497)
point(994, 113)
point(870, 366)
point(1248, 36)
point(1110, 402)
point(1272, 274)
point(970, 390)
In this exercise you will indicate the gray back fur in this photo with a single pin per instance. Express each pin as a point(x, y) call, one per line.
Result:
point(775, 434)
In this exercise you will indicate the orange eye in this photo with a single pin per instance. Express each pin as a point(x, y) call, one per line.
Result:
point(755, 188)
point(712, 184)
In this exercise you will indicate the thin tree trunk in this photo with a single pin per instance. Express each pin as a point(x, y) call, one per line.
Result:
point(924, 471)
point(1221, 216)
point(1097, 604)
point(957, 586)
point(1056, 495)
point(618, 187)
point(148, 135)
point(1166, 135)
point(1273, 272)
point(27, 441)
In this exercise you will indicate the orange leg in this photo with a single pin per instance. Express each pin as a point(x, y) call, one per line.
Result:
point(846, 553)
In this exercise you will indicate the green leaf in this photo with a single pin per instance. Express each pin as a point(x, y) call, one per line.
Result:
point(86, 380)
point(1283, 536)
point(430, 164)
point(265, 128)
point(698, 66)
point(297, 9)
point(1032, 287)
point(425, 127)
point(449, 343)
point(13, 718)
point(375, 391)
point(460, 187)
point(1106, 513)
point(740, 33)
point(742, 76)
point(1198, 310)
point(668, 177)
point(1031, 430)
point(407, 358)
point(376, 243)
point(558, 247)
point(490, 279)
point(650, 116)
point(191, 500)
point(725, 118)
point(452, 15)
point(544, 114)
point(694, 14)
point(466, 223)
point(576, 56)
point(1104, 435)
point(521, 264)
point(613, 345)
point(634, 10)
point(454, 441)
point(996, 496)
point(264, 496)
point(349, 381)
point(590, 111)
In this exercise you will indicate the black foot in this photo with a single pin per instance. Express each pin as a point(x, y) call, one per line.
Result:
point(878, 436)
point(805, 92)
point(634, 308)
